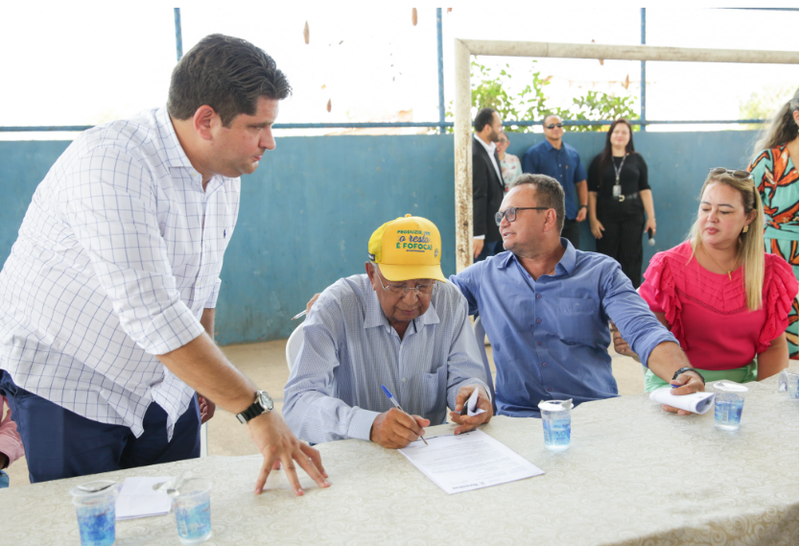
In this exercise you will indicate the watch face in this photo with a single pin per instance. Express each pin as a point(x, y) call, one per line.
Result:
point(265, 401)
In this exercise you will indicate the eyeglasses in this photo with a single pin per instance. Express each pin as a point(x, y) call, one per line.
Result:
point(740, 175)
point(403, 289)
point(554, 125)
point(503, 141)
point(511, 213)
point(425, 289)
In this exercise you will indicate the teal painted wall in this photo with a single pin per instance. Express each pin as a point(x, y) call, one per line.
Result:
point(308, 212)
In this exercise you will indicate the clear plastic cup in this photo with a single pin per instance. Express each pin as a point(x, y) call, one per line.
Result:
point(556, 423)
point(192, 507)
point(95, 506)
point(728, 404)
point(789, 382)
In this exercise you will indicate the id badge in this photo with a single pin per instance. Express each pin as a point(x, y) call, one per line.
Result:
point(616, 191)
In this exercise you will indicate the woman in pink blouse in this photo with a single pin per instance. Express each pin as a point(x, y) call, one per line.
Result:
point(723, 298)
point(10, 442)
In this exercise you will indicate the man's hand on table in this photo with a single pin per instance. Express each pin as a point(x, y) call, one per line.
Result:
point(207, 408)
point(465, 422)
point(395, 429)
point(277, 444)
point(689, 382)
point(665, 359)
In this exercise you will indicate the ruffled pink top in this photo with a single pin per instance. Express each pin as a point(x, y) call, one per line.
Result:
point(707, 312)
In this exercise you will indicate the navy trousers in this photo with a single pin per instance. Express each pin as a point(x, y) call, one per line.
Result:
point(62, 444)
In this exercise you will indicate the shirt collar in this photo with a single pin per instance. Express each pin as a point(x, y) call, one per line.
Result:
point(178, 158)
point(175, 154)
point(490, 148)
point(569, 259)
point(551, 147)
point(566, 265)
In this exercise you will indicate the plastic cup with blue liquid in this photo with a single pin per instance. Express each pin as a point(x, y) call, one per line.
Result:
point(789, 382)
point(95, 506)
point(728, 404)
point(192, 507)
point(556, 423)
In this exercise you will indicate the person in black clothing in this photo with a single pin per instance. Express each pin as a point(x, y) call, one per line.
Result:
point(488, 188)
point(619, 196)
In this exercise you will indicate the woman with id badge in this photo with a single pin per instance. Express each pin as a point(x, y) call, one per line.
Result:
point(619, 196)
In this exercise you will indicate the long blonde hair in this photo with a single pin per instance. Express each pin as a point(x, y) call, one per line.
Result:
point(781, 129)
point(751, 242)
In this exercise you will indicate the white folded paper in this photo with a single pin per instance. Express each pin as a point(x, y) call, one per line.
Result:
point(472, 404)
point(697, 402)
point(138, 500)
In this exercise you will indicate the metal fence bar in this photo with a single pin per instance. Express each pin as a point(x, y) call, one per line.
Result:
point(643, 76)
point(627, 52)
point(178, 34)
point(442, 125)
point(371, 125)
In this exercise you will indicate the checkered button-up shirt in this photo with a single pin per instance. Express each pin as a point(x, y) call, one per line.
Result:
point(119, 253)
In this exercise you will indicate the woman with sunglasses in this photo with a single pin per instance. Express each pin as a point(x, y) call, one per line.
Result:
point(723, 298)
point(775, 172)
point(509, 164)
point(619, 196)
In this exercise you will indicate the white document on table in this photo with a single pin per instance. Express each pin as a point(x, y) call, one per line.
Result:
point(138, 500)
point(472, 460)
point(696, 402)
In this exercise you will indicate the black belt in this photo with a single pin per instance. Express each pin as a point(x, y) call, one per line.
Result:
point(621, 198)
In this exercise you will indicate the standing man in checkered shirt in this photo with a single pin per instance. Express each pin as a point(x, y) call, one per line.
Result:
point(108, 296)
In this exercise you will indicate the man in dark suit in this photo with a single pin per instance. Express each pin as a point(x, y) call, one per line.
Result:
point(487, 185)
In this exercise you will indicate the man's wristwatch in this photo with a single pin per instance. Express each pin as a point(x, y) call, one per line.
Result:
point(263, 404)
point(583, 207)
point(688, 369)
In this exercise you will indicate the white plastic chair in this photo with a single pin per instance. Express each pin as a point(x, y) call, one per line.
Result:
point(293, 345)
point(204, 440)
point(480, 335)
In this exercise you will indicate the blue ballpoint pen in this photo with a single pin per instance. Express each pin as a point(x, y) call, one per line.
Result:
point(394, 401)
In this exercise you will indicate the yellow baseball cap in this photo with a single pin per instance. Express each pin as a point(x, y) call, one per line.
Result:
point(407, 248)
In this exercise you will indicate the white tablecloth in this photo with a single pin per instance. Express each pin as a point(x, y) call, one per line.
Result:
point(633, 475)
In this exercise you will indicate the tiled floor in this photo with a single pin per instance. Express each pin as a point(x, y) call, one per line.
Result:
point(265, 365)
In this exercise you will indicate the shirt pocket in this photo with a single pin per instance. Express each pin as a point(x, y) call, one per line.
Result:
point(577, 319)
point(434, 392)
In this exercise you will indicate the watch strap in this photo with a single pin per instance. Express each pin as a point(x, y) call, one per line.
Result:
point(256, 408)
point(249, 413)
point(688, 369)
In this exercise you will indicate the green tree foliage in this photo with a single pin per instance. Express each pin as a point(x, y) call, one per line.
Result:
point(764, 104)
point(601, 106)
point(530, 103)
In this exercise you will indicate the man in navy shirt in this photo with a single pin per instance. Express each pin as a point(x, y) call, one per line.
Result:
point(546, 307)
point(561, 161)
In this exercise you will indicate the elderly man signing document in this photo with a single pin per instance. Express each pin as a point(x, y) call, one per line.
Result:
point(401, 326)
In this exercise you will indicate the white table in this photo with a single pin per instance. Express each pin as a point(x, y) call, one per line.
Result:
point(633, 475)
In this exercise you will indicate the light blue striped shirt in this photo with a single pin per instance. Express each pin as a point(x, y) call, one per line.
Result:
point(350, 350)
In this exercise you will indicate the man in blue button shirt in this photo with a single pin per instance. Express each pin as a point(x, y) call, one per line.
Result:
point(561, 161)
point(546, 306)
